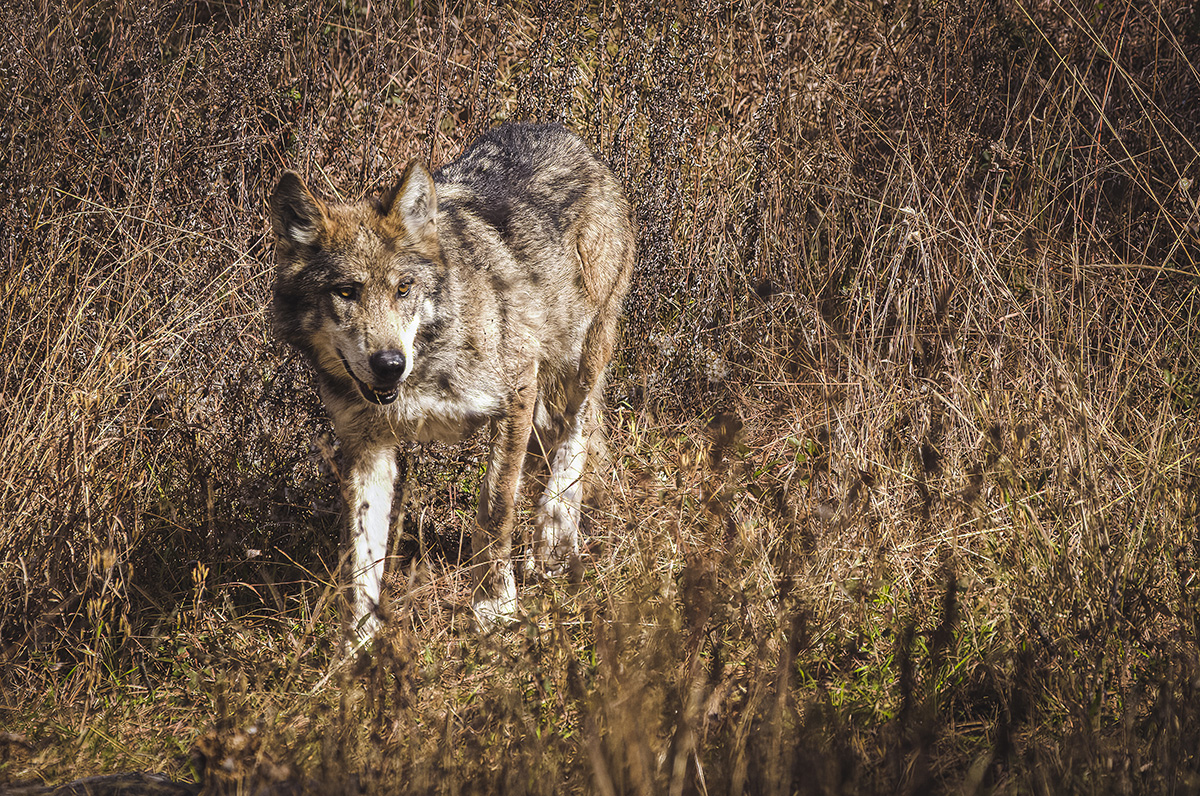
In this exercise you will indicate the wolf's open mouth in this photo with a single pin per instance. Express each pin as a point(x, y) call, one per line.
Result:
point(369, 392)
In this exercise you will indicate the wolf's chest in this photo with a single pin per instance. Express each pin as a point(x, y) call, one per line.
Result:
point(431, 415)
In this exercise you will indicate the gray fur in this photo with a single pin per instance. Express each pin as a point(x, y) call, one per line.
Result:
point(486, 294)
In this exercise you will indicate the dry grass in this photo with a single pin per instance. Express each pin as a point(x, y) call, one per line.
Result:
point(904, 421)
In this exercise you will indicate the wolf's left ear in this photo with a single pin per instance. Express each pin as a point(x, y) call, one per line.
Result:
point(412, 202)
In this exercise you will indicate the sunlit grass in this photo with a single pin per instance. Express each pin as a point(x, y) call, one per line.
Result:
point(903, 425)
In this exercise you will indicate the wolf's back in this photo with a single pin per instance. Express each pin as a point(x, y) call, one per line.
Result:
point(538, 186)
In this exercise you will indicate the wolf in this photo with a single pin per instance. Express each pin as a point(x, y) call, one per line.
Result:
point(486, 294)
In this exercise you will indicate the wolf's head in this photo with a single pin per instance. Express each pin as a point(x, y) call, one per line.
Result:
point(355, 282)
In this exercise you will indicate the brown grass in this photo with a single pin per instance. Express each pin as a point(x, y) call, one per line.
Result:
point(904, 421)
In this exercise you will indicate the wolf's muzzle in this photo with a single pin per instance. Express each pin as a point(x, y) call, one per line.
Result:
point(384, 366)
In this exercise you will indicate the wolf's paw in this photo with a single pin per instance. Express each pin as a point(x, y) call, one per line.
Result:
point(557, 542)
point(493, 613)
point(570, 566)
point(495, 604)
point(554, 564)
point(360, 631)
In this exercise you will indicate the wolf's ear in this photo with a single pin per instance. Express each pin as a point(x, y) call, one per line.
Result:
point(297, 215)
point(412, 203)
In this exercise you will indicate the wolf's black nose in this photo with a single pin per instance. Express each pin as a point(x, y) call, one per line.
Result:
point(388, 365)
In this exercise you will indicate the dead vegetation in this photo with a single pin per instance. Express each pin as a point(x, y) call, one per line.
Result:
point(904, 422)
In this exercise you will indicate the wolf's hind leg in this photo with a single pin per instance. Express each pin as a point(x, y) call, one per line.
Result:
point(369, 506)
point(556, 535)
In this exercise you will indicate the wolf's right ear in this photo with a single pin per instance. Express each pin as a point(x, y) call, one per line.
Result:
point(412, 203)
point(297, 215)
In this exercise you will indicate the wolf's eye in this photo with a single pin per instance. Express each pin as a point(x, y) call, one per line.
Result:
point(403, 289)
point(348, 292)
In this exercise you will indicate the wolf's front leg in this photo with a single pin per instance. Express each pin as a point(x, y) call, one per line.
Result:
point(369, 509)
point(495, 585)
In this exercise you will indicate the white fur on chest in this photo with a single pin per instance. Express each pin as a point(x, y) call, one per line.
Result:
point(424, 416)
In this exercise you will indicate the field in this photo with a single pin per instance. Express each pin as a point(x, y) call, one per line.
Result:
point(904, 490)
